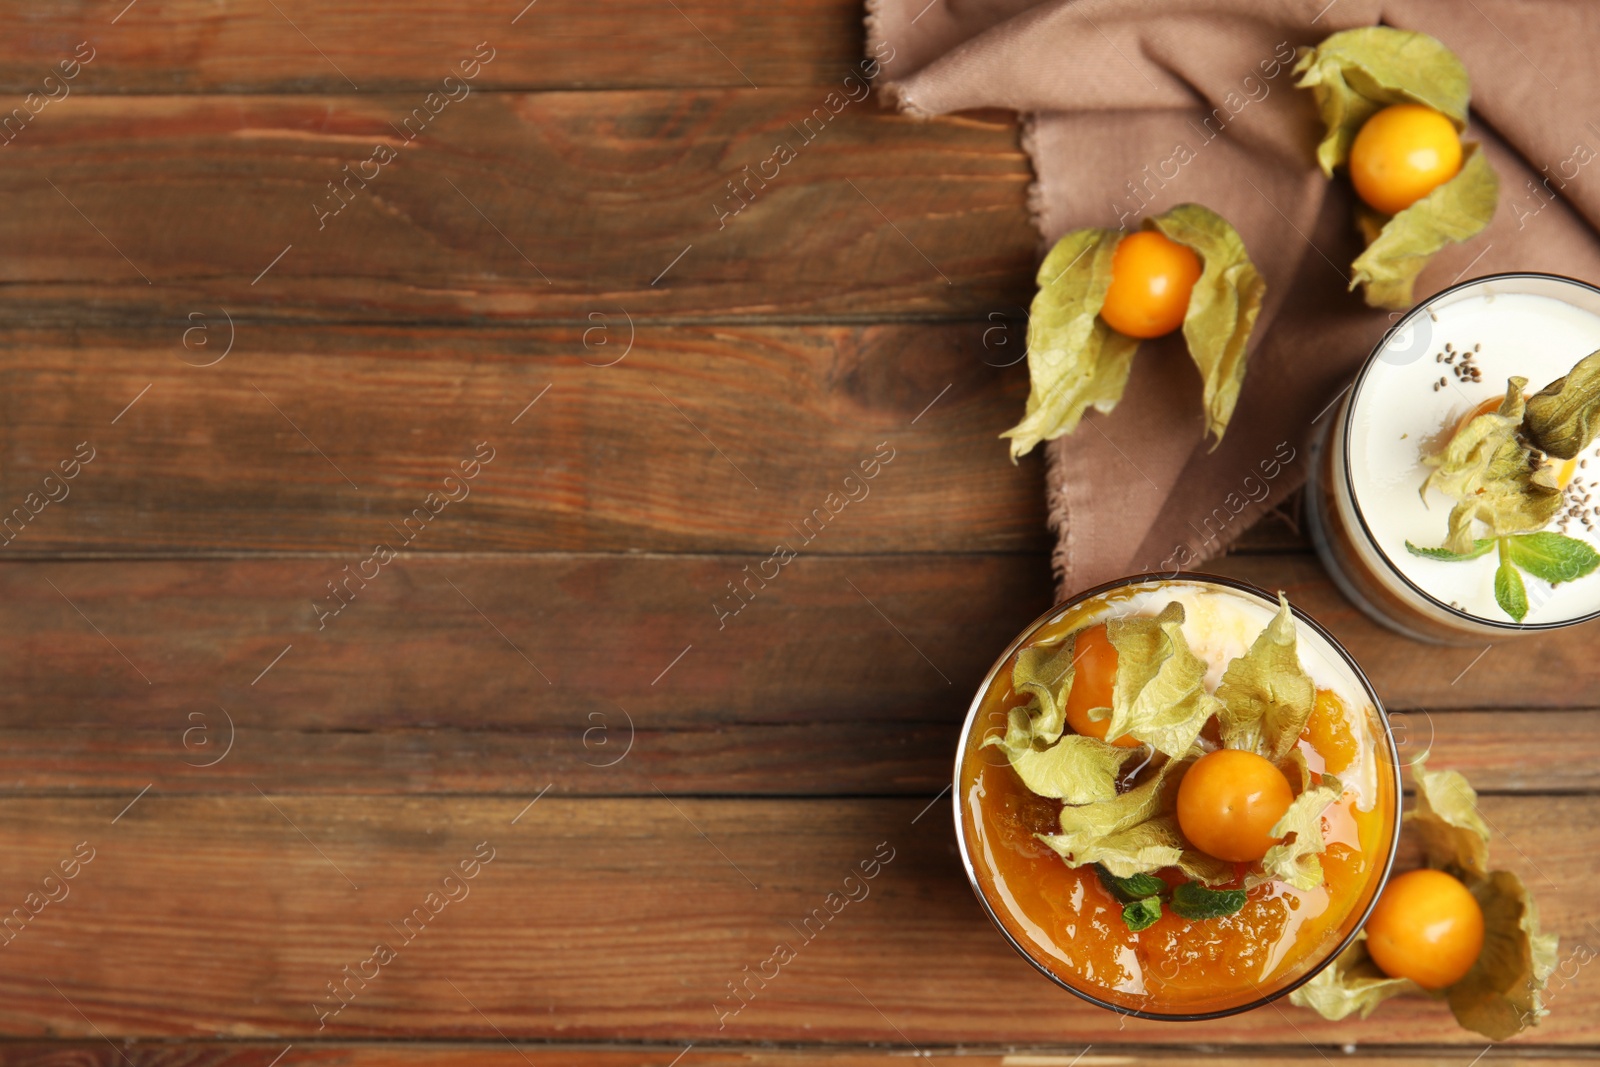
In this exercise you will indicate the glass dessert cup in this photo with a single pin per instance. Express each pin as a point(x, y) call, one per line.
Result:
point(1068, 924)
point(1363, 502)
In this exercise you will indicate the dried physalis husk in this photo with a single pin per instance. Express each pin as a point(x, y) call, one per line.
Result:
point(1136, 832)
point(1266, 695)
point(1159, 698)
point(1222, 307)
point(1349, 984)
point(1266, 698)
point(1051, 763)
point(1502, 994)
point(1073, 769)
point(1450, 214)
point(1296, 859)
point(1493, 476)
point(1144, 848)
point(1355, 74)
point(1159, 695)
point(1454, 836)
point(1076, 361)
point(1563, 417)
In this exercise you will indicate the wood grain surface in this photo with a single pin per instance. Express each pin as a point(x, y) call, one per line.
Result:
point(485, 641)
point(521, 206)
point(498, 1052)
point(1500, 751)
point(703, 438)
point(479, 673)
point(672, 375)
point(600, 919)
point(297, 46)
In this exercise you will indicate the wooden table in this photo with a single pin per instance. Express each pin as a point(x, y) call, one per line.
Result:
point(283, 749)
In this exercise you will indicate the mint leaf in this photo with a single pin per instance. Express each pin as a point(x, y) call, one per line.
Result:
point(1553, 557)
point(1142, 913)
point(1194, 901)
point(1129, 890)
point(1480, 547)
point(1509, 591)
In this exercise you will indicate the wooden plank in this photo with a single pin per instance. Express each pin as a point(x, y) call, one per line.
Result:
point(477, 642)
point(191, 46)
point(598, 755)
point(511, 1054)
point(895, 639)
point(604, 919)
point(1498, 751)
point(328, 439)
point(543, 206)
point(433, 679)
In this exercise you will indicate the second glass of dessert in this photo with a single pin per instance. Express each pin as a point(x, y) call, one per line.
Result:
point(1452, 493)
point(1177, 798)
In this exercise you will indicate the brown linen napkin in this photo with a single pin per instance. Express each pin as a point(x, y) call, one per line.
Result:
point(1132, 106)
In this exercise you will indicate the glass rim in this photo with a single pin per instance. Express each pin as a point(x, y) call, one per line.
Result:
point(1417, 310)
point(958, 806)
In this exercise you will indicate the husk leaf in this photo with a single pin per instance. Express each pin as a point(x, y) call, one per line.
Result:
point(1110, 828)
point(1149, 798)
point(1353, 983)
point(1493, 476)
point(1563, 417)
point(1354, 74)
point(1075, 360)
point(1296, 859)
point(1159, 696)
point(1222, 307)
point(1297, 769)
point(1454, 836)
point(1071, 768)
point(1502, 994)
point(1076, 769)
point(1045, 675)
point(1453, 212)
point(1142, 848)
point(1266, 695)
